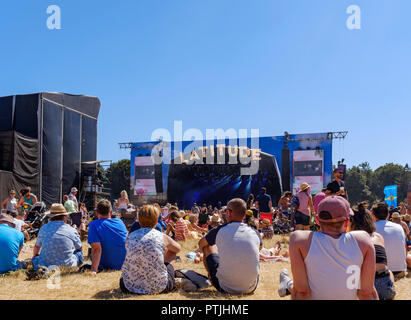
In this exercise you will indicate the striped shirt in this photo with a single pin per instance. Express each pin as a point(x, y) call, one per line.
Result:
point(181, 229)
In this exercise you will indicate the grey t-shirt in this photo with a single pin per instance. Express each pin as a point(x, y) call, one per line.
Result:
point(238, 249)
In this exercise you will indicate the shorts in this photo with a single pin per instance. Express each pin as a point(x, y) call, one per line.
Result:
point(170, 281)
point(385, 287)
point(301, 218)
point(213, 260)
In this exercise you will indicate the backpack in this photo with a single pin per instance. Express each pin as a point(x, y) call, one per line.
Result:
point(295, 203)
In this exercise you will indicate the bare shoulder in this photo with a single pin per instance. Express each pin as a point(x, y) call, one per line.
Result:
point(363, 239)
point(300, 236)
point(378, 239)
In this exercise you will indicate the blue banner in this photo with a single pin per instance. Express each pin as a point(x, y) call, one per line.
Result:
point(391, 195)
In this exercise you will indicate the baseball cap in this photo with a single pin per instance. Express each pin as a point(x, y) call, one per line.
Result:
point(338, 207)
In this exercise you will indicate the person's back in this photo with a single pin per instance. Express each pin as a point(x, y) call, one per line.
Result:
point(394, 239)
point(111, 234)
point(57, 240)
point(263, 200)
point(238, 249)
point(11, 241)
point(70, 206)
point(145, 262)
point(327, 264)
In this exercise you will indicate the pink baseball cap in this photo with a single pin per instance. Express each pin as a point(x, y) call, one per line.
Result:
point(337, 206)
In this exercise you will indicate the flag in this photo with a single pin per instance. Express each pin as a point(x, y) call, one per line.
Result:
point(391, 195)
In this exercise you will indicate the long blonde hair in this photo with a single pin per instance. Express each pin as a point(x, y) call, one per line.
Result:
point(124, 192)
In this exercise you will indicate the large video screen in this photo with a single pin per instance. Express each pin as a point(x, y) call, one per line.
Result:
point(308, 166)
point(144, 176)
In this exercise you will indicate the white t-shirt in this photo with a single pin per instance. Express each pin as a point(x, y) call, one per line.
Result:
point(19, 224)
point(238, 250)
point(394, 239)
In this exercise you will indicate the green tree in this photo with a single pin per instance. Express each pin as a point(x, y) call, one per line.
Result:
point(119, 177)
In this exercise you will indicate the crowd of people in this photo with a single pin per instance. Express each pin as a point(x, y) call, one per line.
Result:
point(336, 251)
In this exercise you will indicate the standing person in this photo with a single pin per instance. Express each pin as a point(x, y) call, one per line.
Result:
point(123, 202)
point(231, 252)
point(148, 266)
point(27, 199)
point(337, 186)
point(107, 238)
point(70, 205)
point(10, 203)
point(394, 239)
point(203, 217)
point(55, 241)
point(72, 197)
point(250, 201)
point(305, 208)
point(264, 205)
point(195, 209)
point(384, 279)
point(323, 262)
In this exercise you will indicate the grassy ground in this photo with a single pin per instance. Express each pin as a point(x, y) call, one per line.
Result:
point(105, 285)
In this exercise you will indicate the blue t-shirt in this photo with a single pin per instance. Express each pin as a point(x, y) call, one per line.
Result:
point(112, 234)
point(10, 242)
point(263, 202)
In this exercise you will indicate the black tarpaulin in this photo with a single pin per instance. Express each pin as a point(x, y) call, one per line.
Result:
point(25, 115)
point(89, 140)
point(71, 150)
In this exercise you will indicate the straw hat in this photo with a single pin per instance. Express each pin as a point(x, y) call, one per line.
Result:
point(7, 219)
point(57, 209)
point(407, 217)
point(304, 186)
point(395, 215)
point(215, 218)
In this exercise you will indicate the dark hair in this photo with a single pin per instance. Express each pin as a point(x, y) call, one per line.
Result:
point(104, 207)
point(251, 222)
point(287, 193)
point(380, 210)
point(263, 189)
point(362, 219)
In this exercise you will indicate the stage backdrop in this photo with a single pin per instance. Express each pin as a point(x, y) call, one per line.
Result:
point(309, 159)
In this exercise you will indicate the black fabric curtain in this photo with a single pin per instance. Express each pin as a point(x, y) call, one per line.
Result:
point(71, 150)
point(51, 153)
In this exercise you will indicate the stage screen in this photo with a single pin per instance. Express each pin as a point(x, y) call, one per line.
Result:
point(144, 176)
point(308, 166)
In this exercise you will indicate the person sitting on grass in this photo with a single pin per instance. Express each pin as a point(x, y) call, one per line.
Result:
point(214, 221)
point(193, 227)
point(11, 243)
point(324, 263)
point(267, 230)
point(107, 238)
point(180, 226)
point(231, 252)
point(20, 224)
point(55, 241)
point(274, 254)
point(384, 279)
point(148, 267)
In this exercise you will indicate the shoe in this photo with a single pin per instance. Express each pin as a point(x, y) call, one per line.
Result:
point(284, 283)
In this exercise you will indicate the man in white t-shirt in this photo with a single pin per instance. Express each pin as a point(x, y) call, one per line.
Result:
point(394, 240)
point(231, 252)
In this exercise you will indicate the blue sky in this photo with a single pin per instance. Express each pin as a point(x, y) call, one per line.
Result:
point(276, 65)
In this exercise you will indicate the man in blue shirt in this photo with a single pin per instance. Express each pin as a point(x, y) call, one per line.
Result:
point(264, 205)
point(107, 238)
point(11, 243)
point(59, 242)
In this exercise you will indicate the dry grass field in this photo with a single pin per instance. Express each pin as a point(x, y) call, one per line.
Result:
point(76, 286)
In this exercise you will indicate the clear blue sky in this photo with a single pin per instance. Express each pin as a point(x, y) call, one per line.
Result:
point(276, 65)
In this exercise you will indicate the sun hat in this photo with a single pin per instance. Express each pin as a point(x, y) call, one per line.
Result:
point(57, 209)
point(304, 186)
point(215, 218)
point(395, 215)
point(74, 189)
point(407, 217)
point(338, 207)
point(7, 219)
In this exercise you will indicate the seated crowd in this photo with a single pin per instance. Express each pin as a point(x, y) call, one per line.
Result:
point(354, 253)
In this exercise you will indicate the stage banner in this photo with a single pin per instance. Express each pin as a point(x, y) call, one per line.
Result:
point(391, 195)
point(144, 175)
point(308, 166)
